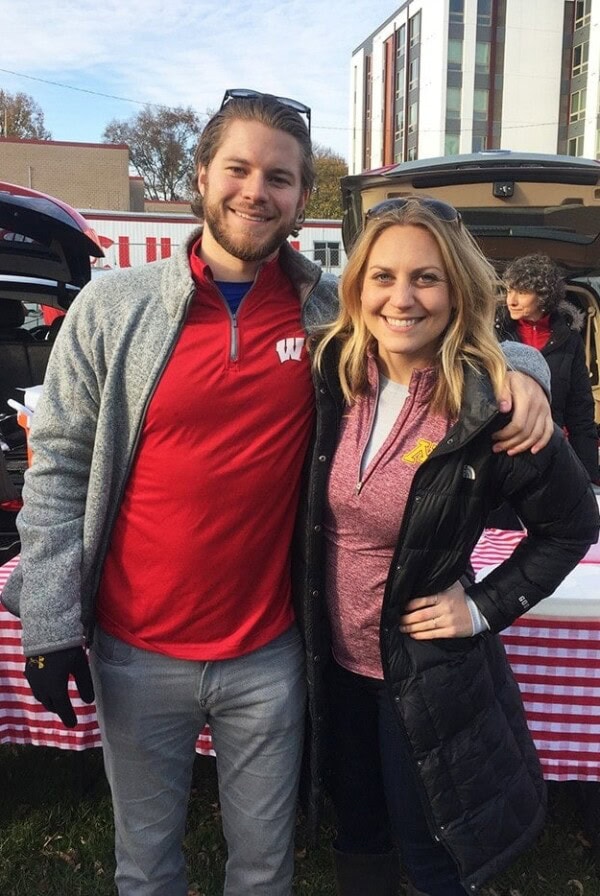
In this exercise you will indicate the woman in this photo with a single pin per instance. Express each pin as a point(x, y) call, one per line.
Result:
point(537, 313)
point(431, 751)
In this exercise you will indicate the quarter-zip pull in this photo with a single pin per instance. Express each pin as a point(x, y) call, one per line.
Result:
point(233, 354)
point(359, 486)
point(233, 309)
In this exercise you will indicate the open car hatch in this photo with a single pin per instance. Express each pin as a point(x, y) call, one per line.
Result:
point(45, 248)
point(513, 204)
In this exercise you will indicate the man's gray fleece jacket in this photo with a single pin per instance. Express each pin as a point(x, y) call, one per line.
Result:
point(116, 341)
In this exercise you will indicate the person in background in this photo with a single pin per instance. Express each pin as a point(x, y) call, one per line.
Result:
point(159, 510)
point(537, 313)
point(430, 748)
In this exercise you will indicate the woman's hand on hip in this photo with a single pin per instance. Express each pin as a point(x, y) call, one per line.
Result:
point(441, 615)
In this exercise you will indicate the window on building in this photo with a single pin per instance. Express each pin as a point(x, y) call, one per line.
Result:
point(455, 54)
point(575, 146)
point(399, 129)
point(484, 12)
point(400, 61)
point(401, 41)
point(328, 254)
point(413, 74)
point(400, 79)
point(457, 12)
point(479, 143)
point(583, 9)
point(452, 145)
point(482, 57)
point(481, 100)
point(580, 59)
point(578, 105)
point(597, 144)
point(412, 117)
point(453, 100)
point(412, 153)
point(414, 29)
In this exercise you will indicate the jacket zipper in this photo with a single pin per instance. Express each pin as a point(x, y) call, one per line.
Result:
point(435, 833)
point(233, 352)
point(360, 480)
point(446, 447)
point(406, 407)
point(234, 330)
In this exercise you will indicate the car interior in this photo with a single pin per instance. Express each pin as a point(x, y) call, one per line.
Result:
point(45, 250)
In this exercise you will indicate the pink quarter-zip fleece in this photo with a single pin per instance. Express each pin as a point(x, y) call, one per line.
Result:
point(365, 513)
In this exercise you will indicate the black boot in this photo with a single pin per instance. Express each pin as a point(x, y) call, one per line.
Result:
point(360, 874)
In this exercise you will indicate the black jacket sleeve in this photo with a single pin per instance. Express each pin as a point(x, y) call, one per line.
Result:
point(551, 493)
point(579, 413)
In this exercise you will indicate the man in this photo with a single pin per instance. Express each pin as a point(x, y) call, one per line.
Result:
point(159, 512)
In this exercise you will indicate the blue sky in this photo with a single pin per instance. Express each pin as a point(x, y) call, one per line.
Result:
point(182, 53)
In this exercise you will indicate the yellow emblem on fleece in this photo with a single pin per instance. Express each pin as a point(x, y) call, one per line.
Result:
point(420, 452)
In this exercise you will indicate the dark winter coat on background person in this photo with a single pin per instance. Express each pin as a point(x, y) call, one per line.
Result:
point(456, 699)
point(572, 400)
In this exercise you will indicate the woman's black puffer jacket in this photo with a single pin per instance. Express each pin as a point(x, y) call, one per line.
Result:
point(456, 699)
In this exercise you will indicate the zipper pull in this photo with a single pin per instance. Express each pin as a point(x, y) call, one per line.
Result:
point(234, 339)
point(359, 486)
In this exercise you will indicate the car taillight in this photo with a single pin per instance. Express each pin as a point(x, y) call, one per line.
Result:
point(12, 506)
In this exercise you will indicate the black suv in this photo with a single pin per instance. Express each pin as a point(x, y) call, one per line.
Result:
point(45, 249)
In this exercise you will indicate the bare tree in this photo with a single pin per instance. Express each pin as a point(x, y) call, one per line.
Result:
point(161, 147)
point(326, 200)
point(20, 116)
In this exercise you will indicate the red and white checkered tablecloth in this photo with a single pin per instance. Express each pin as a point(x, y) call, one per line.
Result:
point(556, 660)
point(25, 721)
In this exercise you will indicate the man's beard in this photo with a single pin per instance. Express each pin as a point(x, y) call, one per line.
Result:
point(244, 248)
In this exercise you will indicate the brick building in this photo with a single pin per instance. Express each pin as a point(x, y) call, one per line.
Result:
point(85, 175)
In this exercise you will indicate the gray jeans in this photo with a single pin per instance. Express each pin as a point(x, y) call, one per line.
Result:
point(151, 709)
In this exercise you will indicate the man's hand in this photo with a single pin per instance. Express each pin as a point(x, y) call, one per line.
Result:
point(442, 615)
point(531, 425)
point(48, 677)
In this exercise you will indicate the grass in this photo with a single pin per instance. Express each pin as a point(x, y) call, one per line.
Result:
point(56, 836)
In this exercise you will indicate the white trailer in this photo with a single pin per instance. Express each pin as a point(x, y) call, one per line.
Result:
point(132, 238)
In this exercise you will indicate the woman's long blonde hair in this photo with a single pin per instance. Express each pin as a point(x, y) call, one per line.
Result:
point(469, 337)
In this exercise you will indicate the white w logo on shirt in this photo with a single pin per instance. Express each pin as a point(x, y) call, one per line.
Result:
point(290, 349)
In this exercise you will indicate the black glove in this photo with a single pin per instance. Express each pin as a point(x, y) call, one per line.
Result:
point(48, 676)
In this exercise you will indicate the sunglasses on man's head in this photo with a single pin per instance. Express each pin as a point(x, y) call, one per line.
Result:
point(441, 210)
point(244, 93)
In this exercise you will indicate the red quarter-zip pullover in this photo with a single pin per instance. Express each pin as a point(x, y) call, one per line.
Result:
point(198, 566)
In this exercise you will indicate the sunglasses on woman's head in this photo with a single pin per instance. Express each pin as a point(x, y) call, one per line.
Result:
point(441, 210)
point(245, 93)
